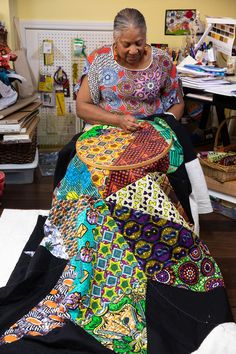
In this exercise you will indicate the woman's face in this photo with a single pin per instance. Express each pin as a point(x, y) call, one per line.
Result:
point(130, 45)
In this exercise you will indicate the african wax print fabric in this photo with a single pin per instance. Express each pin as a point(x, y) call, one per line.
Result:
point(109, 255)
point(142, 92)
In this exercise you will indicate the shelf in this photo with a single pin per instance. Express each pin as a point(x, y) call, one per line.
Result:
point(225, 191)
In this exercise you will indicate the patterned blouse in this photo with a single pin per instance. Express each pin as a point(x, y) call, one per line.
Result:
point(139, 92)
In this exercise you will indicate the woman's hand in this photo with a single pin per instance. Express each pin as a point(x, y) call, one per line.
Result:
point(128, 123)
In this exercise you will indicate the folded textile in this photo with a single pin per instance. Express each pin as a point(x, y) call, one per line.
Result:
point(221, 340)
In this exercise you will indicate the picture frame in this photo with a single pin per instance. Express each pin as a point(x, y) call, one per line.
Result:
point(48, 99)
point(163, 46)
point(177, 21)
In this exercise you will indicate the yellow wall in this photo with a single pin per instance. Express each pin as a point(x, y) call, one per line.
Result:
point(7, 11)
point(5, 16)
point(105, 10)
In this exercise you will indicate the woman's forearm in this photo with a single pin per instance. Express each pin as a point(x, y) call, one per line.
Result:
point(177, 109)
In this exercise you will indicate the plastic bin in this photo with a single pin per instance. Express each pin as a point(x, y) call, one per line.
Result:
point(20, 173)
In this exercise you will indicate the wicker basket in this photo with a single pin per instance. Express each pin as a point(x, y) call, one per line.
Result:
point(18, 153)
point(219, 172)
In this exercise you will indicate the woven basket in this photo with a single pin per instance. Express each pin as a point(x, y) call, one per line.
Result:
point(19, 153)
point(216, 171)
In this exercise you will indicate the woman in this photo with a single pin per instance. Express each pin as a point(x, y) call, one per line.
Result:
point(131, 79)
point(120, 268)
point(125, 81)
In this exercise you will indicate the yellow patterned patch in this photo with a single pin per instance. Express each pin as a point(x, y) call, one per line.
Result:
point(81, 230)
point(104, 149)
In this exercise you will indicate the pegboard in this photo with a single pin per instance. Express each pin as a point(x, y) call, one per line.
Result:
point(57, 130)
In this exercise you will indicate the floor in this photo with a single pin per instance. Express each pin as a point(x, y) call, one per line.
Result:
point(216, 230)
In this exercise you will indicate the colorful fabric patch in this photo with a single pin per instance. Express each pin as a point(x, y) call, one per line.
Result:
point(117, 230)
point(146, 196)
point(110, 283)
point(49, 314)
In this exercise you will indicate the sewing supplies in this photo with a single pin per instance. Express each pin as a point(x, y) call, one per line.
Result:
point(60, 103)
point(75, 75)
point(61, 79)
point(45, 83)
point(48, 53)
point(79, 47)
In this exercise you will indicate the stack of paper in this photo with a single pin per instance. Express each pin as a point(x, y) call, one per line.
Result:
point(225, 90)
point(20, 125)
point(203, 82)
point(201, 70)
point(205, 78)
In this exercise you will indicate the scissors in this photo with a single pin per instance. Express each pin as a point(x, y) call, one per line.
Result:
point(60, 77)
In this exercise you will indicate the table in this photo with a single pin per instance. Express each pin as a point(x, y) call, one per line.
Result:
point(220, 102)
point(227, 190)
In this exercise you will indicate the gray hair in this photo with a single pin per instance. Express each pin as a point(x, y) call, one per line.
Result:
point(126, 18)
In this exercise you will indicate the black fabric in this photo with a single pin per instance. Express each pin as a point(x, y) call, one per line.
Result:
point(181, 133)
point(22, 265)
point(182, 187)
point(183, 137)
point(31, 280)
point(69, 339)
point(65, 155)
point(178, 320)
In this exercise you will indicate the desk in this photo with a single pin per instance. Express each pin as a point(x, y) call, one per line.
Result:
point(212, 99)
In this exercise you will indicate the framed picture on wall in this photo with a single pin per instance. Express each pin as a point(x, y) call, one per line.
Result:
point(177, 21)
point(48, 99)
point(162, 46)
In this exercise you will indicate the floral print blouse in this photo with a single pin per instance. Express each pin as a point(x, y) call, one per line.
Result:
point(139, 92)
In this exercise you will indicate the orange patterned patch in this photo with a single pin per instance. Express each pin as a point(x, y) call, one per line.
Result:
point(53, 291)
point(68, 281)
point(33, 333)
point(9, 338)
point(34, 321)
point(51, 304)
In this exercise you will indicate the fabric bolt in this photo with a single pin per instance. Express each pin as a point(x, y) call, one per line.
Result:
point(65, 155)
point(121, 272)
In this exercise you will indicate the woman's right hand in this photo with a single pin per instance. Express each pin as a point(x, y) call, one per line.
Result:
point(128, 123)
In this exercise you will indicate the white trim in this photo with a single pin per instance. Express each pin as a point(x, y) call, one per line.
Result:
point(223, 196)
point(62, 25)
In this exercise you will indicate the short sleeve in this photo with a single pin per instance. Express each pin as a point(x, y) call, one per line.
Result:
point(93, 81)
point(90, 69)
point(84, 73)
point(171, 86)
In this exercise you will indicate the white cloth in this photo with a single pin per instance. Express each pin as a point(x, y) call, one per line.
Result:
point(8, 96)
point(221, 340)
point(16, 227)
point(199, 198)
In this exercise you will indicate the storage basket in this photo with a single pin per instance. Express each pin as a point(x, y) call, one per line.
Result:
point(18, 153)
point(214, 170)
